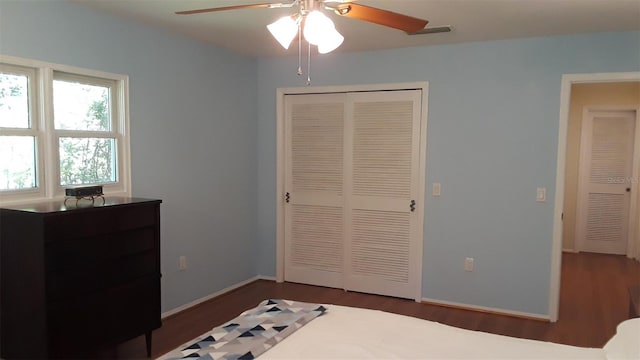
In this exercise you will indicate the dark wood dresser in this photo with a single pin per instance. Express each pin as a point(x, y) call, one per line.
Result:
point(78, 278)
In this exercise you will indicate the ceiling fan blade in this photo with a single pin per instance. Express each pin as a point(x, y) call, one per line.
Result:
point(405, 23)
point(433, 30)
point(235, 7)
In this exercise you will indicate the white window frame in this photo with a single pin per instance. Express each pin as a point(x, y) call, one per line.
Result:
point(34, 129)
point(47, 137)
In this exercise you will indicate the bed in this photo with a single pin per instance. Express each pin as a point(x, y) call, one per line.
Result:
point(314, 331)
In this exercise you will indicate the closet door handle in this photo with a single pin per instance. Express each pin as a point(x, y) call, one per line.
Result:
point(412, 205)
point(286, 197)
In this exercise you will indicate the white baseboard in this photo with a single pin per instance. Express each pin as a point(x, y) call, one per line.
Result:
point(570, 250)
point(217, 293)
point(486, 309)
point(268, 278)
point(424, 300)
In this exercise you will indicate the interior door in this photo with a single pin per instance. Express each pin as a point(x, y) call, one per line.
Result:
point(607, 145)
point(314, 213)
point(382, 254)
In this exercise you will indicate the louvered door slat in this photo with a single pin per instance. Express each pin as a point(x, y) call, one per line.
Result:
point(380, 244)
point(382, 148)
point(610, 149)
point(318, 233)
point(606, 217)
point(317, 142)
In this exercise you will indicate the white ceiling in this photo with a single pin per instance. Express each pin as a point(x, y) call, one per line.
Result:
point(244, 31)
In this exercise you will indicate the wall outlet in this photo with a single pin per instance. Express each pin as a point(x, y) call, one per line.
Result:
point(182, 263)
point(468, 264)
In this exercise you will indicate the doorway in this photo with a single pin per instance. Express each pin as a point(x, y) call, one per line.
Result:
point(606, 101)
point(564, 231)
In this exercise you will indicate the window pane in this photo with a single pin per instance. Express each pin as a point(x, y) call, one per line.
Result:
point(79, 106)
point(14, 101)
point(87, 161)
point(17, 162)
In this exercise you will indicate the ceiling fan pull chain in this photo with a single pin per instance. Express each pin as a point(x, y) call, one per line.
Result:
point(299, 49)
point(309, 66)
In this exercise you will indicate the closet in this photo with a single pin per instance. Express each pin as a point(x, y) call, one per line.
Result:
point(352, 190)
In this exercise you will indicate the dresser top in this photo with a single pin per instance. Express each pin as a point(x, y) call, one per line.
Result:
point(71, 204)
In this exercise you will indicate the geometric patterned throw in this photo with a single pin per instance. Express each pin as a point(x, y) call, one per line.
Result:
point(252, 333)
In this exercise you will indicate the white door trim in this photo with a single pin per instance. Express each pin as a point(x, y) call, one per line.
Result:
point(633, 250)
point(280, 153)
point(565, 97)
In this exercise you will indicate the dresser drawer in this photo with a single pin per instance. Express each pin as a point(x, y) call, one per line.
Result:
point(84, 253)
point(68, 283)
point(97, 221)
point(105, 317)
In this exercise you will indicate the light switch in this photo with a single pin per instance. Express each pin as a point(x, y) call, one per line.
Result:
point(436, 189)
point(541, 195)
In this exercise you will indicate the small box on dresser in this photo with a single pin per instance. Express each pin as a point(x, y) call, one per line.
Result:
point(78, 278)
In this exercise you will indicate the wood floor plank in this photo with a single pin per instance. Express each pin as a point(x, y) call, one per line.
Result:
point(593, 300)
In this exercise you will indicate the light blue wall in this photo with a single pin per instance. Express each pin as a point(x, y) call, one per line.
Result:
point(492, 140)
point(192, 132)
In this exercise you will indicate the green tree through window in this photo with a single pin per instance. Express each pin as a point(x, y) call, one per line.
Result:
point(89, 160)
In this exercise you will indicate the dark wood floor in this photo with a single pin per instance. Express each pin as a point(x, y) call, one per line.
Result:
point(593, 301)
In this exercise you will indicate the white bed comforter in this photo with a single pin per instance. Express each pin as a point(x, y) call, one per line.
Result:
point(352, 333)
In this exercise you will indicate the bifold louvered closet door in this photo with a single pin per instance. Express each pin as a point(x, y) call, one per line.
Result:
point(352, 171)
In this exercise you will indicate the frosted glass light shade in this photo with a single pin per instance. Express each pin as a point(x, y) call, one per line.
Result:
point(330, 42)
point(284, 30)
point(316, 27)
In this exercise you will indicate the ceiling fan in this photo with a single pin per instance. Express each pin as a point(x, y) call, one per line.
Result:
point(317, 29)
point(347, 8)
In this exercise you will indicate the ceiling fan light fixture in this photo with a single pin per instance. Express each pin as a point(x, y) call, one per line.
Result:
point(332, 40)
point(284, 30)
point(316, 27)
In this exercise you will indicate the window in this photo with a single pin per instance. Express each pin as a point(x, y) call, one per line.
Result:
point(18, 139)
point(61, 127)
point(84, 129)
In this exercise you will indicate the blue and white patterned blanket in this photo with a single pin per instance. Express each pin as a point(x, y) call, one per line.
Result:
point(252, 333)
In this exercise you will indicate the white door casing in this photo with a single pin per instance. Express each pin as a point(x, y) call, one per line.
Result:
point(605, 181)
